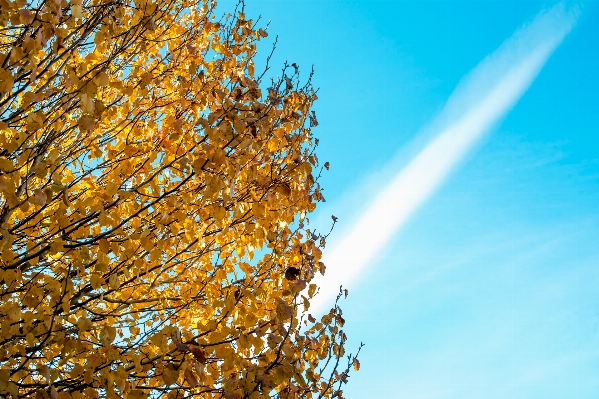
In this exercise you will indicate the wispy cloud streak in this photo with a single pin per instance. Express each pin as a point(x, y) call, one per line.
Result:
point(483, 97)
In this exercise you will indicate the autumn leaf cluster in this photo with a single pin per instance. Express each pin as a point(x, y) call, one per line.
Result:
point(154, 195)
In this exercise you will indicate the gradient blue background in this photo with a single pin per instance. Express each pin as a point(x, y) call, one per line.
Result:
point(492, 288)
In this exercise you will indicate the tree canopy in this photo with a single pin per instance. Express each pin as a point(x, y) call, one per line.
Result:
point(154, 197)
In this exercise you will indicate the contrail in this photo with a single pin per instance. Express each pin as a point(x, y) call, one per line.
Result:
point(482, 98)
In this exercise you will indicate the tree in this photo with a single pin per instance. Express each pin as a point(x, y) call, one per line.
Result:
point(153, 208)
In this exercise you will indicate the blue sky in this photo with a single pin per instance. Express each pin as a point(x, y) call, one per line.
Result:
point(490, 287)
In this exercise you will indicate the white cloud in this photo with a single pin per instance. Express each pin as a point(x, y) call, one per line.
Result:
point(483, 97)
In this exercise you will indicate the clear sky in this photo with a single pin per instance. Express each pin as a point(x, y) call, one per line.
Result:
point(488, 287)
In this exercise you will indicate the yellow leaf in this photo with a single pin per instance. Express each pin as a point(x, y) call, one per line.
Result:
point(84, 324)
point(155, 254)
point(6, 81)
point(14, 312)
point(96, 280)
point(312, 290)
point(9, 276)
point(53, 155)
point(190, 378)
point(245, 143)
point(113, 281)
point(4, 378)
point(111, 188)
point(6, 165)
point(86, 123)
point(104, 245)
point(356, 364)
point(306, 303)
point(170, 375)
point(76, 371)
point(99, 38)
point(77, 11)
point(102, 79)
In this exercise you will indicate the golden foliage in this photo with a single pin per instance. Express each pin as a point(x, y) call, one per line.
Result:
point(152, 209)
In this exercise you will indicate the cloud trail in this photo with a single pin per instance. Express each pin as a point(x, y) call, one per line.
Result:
point(479, 102)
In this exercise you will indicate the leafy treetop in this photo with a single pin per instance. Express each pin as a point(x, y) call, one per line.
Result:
point(153, 207)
